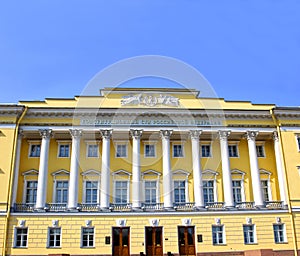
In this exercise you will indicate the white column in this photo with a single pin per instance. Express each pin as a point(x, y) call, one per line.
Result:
point(167, 173)
point(43, 170)
point(280, 170)
point(136, 168)
point(105, 169)
point(197, 173)
point(17, 166)
point(226, 173)
point(74, 170)
point(255, 174)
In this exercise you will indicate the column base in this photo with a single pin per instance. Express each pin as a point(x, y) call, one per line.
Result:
point(137, 209)
point(40, 209)
point(169, 209)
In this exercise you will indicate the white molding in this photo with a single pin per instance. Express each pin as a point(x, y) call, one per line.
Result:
point(150, 144)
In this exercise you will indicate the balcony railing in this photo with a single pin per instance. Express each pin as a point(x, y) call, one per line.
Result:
point(153, 206)
point(56, 207)
point(245, 206)
point(89, 207)
point(274, 205)
point(23, 207)
point(184, 206)
point(215, 206)
point(122, 207)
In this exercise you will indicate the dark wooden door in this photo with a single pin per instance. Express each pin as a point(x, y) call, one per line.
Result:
point(120, 241)
point(186, 240)
point(154, 241)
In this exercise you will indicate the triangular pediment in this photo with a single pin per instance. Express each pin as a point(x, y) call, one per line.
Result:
point(30, 172)
point(151, 172)
point(60, 172)
point(91, 172)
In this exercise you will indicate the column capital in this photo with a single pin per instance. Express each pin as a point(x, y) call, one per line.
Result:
point(166, 134)
point(20, 134)
point(136, 134)
point(223, 135)
point(195, 134)
point(45, 133)
point(106, 134)
point(76, 133)
point(251, 135)
point(275, 136)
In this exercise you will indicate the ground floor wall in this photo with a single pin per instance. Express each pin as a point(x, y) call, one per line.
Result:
point(71, 225)
point(2, 232)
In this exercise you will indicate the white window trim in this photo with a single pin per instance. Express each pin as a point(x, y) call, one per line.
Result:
point(181, 143)
point(181, 175)
point(242, 179)
point(81, 238)
point(215, 174)
point(153, 144)
point(48, 238)
point(119, 142)
point(265, 172)
point(284, 233)
point(31, 172)
point(62, 143)
point(261, 143)
point(117, 176)
point(94, 176)
point(234, 143)
point(57, 178)
point(152, 173)
point(91, 142)
point(223, 235)
point(210, 149)
point(15, 237)
point(31, 143)
point(254, 234)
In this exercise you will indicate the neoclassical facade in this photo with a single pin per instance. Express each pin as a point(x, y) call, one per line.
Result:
point(149, 172)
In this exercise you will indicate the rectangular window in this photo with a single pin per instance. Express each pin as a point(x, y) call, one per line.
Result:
point(217, 235)
point(149, 150)
point(177, 150)
point(21, 237)
point(237, 191)
point(205, 151)
point(279, 233)
point(150, 192)
point(35, 150)
point(64, 150)
point(260, 151)
point(87, 237)
point(179, 191)
point(54, 237)
point(249, 234)
point(208, 191)
point(91, 192)
point(265, 190)
point(121, 192)
point(232, 150)
point(121, 150)
point(31, 189)
point(61, 191)
point(93, 151)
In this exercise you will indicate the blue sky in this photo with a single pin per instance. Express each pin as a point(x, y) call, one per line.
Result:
point(247, 50)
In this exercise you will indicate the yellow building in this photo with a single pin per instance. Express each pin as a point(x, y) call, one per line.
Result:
point(149, 172)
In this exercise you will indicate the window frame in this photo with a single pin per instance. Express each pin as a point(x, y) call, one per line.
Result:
point(175, 144)
point(181, 176)
point(156, 191)
point(248, 234)
point(30, 175)
point(55, 191)
point(26, 189)
point(218, 232)
point(22, 235)
point(94, 176)
point(55, 240)
point(210, 175)
point(233, 144)
point(262, 145)
point(92, 143)
point(154, 150)
point(81, 238)
point(283, 233)
point(31, 144)
point(151, 175)
point(123, 144)
point(121, 176)
point(210, 150)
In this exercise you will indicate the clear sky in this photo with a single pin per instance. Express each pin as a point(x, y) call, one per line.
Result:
point(246, 49)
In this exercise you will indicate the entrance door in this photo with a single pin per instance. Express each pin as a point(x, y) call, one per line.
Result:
point(154, 246)
point(120, 241)
point(186, 240)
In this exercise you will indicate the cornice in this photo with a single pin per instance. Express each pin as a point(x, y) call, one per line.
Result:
point(11, 110)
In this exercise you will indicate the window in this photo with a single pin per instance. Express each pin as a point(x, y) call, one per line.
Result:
point(61, 191)
point(21, 236)
point(121, 192)
point(54, 237)
point(93, 151)
point(31, 189)
point(279, 233)
point(150, 192)
point(177, 150)
point(237, 191)
point(149, 150)
point(87, 237)
point(298, 142)
point(233, 150)
point(265, 189)
point(205, 151)
point(260, 151)
point(217, 235)
point(208, 191)
point(91, 192)
point(63, 150)
point(35, 150)
point(121, 150)
point(179, 191)
point(249, 234)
